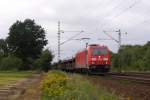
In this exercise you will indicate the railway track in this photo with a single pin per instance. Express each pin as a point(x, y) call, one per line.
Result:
point(139, 77)
point(137, 86)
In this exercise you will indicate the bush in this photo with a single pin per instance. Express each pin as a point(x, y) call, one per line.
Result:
point(11, 63)
point(132, 58)
point(37, 64)
point(44, 62)
point(61, 86)
point(1, 56)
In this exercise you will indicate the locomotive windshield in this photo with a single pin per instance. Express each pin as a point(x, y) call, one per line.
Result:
point(99, 51)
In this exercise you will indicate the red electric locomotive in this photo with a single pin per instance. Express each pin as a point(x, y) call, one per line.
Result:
point(95, 58)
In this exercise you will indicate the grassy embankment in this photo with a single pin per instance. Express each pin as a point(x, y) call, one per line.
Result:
point(58, 85)
point(8, 77)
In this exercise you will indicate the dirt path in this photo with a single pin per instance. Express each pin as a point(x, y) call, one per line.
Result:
point(128, 90)
point(33, 92)
point(12, 91)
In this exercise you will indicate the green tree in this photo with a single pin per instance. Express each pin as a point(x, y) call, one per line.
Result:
point(147, 59)
point(44, 62)
point(10, 63)
point(3, 47)
point(114, 61)
point(132, 57)
point(26, 40)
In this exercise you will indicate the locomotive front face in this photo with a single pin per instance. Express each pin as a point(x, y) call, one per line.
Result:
point(100, 55)
point(99, 58)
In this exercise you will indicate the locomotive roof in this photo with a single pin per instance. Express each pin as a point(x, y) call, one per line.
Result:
point(92, 45)
point(97, 45)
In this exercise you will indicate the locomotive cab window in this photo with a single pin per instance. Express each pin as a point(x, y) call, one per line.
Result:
point(98, 51)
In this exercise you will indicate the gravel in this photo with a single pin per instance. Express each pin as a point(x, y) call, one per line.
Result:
point(127, 89)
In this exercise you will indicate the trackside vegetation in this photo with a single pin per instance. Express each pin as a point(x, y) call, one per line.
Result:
point(132, 58)
point(23, 48)
point(58, 85)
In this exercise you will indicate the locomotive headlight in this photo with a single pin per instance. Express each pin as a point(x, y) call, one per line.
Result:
point(93, 59)
point(93, 62)
point(105, 59)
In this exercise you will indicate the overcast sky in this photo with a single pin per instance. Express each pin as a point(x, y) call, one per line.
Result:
point(92, 16)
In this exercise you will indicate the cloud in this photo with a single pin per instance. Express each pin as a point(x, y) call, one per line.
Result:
point(92, 16)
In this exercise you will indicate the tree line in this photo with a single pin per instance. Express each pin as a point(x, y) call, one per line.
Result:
point(23, 48)
point(132, 57)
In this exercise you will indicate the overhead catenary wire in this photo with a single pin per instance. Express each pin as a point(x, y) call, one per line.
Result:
point(129, 7)
point(59, 42)
point(119, 14)
point(109, 13)
point(71, 38)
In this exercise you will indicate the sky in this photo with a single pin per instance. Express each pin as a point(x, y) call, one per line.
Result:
point(91, 16)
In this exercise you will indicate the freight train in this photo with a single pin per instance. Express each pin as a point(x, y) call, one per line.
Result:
point(95, 58)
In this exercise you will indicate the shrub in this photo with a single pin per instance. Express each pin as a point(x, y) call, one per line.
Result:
point(38, 63)
point(10, 62)
point(61, 86)
point(132, 58)
point(44, 61)
point(1, 56)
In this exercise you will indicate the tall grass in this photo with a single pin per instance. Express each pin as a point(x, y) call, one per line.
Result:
point(8, 77)
point(58, 85)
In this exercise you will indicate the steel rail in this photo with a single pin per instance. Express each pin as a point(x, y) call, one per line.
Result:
point(143, 78)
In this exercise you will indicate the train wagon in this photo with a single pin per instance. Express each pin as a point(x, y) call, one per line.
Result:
point(95, 58)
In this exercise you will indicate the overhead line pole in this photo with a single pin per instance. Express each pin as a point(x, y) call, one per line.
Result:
point(119, 37)
point(118, 41)
point(58, 41)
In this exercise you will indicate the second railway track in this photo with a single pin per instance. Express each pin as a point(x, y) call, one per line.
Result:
point(139, 77)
